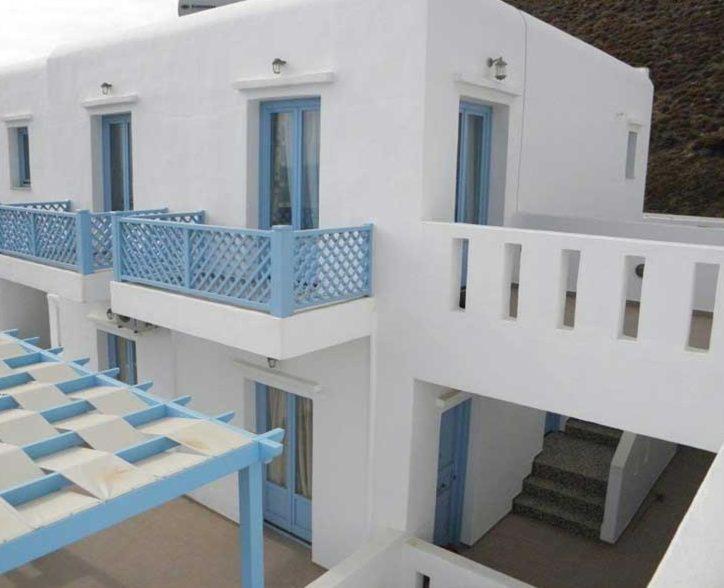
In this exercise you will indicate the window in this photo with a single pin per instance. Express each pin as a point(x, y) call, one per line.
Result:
point(631, 155)
point(22, 146)
point(289, 159)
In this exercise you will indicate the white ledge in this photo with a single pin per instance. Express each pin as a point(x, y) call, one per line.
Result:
point(280, 81)
point(494, 85)
point(19, 117)
point(91, 103)
point(277, 379)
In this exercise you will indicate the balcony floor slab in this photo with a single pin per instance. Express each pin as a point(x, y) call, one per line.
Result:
point(66, 283)
point(241, 328)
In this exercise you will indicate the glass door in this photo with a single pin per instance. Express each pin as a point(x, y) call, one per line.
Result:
point(122, 355)
point(473, 173)
point(289, 164)
point(288, 481)
point(117, 162)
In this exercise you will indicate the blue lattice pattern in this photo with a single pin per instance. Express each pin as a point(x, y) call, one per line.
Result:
point(55, 238)
point(50, 205)
point(101, 230)
point(231, 264)
point(153, 252)
point(44, 235)
point(331, 265)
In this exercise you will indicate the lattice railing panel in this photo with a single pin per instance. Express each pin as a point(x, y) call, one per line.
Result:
point(50, 205)
point(47, 236)
point(55, 238)
point(232, 264)
point(331, 265)
point(101, 240)
point(153, 253)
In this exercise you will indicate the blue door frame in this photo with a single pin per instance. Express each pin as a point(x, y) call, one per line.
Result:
point(122, 355)
point(283, 507)
point(452, 466)
point(296, 109)
point(469, 114)
point(122, 124)
point(23, 153)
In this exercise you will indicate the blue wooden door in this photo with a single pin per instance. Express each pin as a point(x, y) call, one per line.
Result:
point(288, 479)
point(122, 355)
point(117, 162)
point(289, 164)
point(452, 461)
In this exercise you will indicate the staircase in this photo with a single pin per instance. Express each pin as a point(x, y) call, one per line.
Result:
point(567, 487)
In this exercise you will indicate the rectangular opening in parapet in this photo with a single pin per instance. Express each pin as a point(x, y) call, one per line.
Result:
point(570, 261)
point(706, 276)
point(460, 275)
point(513, 253)
point(422, 581)
point(634, 267)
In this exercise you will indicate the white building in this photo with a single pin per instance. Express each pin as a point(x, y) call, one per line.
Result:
point(506, 201)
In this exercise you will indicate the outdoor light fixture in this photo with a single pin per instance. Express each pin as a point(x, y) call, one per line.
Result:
point(106, 88)
point(271, 362)
point(277, 65)
point(500, 67)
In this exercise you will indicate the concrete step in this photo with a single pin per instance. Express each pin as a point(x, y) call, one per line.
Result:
point(568, 496)
point(550, 512)
point(575, 462)
point(593, 432)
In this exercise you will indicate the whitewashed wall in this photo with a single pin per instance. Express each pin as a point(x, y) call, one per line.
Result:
point(388, 149)
point(26, 309)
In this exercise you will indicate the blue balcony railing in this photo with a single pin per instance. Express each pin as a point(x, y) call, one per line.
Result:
point(49, 233)
point(279, 271)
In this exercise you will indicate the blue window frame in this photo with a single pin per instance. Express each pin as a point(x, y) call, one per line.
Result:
point(122, 355)
point(117, 162)
point(22, 142)
point(288, 479)
point(473, 169)
point(289, 163)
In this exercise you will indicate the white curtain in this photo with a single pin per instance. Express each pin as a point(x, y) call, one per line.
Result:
point(277, 418)
point(304, 447)
point(310, 163)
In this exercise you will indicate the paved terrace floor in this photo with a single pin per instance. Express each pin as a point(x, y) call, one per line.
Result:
point(550, 557)
point(179, 545)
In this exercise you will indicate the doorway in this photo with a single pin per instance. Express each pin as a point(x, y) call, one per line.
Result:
point(451, 469)
point(289, 160)
point(472, 185)
point(288, 479)
point(122, 355)
point(117, 162)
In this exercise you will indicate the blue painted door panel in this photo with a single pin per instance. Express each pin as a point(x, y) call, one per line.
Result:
point(289, 163)
point(287, 487)
point(122, 355)
point(117, 162)
point(452, 461)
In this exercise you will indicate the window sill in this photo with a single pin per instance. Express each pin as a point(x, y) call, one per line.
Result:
point(22, 188)
point(282, 80)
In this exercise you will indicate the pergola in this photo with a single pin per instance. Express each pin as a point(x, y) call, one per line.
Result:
point(81, 451)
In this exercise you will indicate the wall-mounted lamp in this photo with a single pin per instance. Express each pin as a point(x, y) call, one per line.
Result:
point(277, 65)
point(500, 67)
point(271, 362)
point(106, 88)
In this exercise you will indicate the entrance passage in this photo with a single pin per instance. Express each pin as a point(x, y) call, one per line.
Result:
point(452, 461)
point(288, 479)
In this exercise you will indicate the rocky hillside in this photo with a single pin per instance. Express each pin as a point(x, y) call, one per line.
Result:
point(681, 41)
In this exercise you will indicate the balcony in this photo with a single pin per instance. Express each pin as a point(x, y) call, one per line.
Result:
point(623, 332)
point(246, 288)
point(54, 249)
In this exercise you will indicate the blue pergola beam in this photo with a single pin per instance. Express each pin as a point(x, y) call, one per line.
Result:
point(246, 460)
